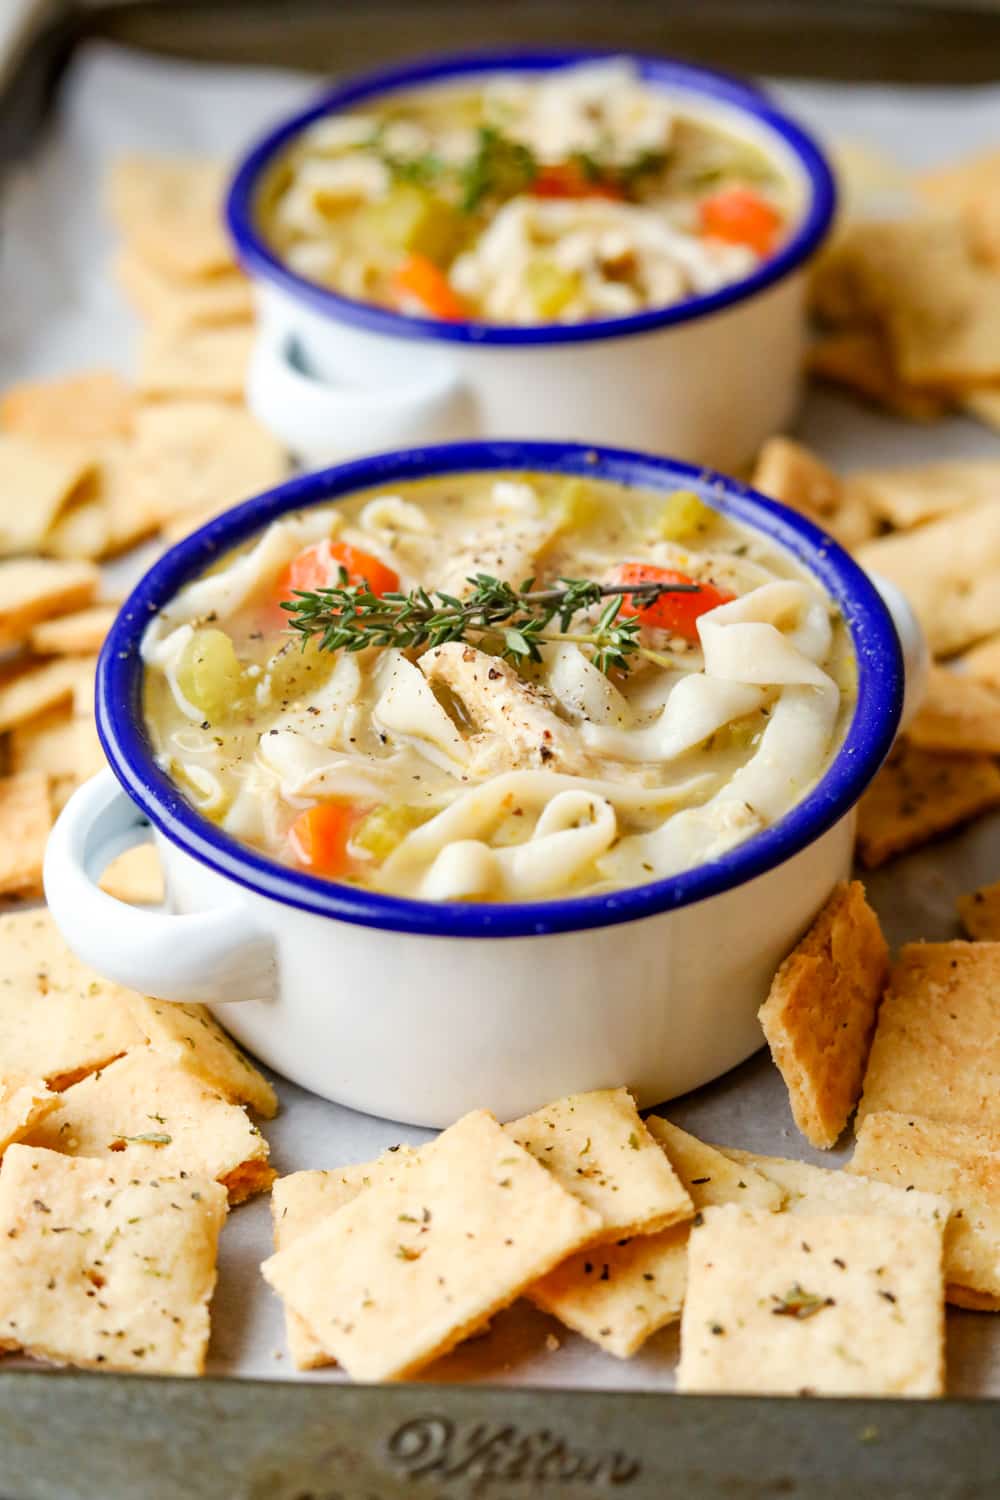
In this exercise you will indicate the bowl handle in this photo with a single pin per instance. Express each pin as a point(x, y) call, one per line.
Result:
point(916, 656)
point(208, 956)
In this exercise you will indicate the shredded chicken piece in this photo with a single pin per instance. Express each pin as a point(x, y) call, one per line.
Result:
point(504, 551)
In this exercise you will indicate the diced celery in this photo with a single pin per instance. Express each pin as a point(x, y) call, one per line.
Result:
point(413, 219)
point(575, 505)
point(295, 672)
point(386, 827)
point(550, 287)
point(683, 513)
point(209, 673)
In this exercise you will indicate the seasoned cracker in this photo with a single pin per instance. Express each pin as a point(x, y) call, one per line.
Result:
point(428, 1258)
point(95, 405)
point(78, 634)
point(909, 496)
point(937, 1045)
point(37, 483)
point(979, 912)
point(859, 361)
point(983, 661)
point(189, 1037)
point(33, 589)
point(597, 1148)
point(170, 210)
point(791, 473)
point(58, 1019)
point(135, 876)
point(815, 1191)
point(971, 189)
point(819, 1017)
point(960, 1162)
point(948, 571)
point(200, 457)
point(46, 743)
point(26, 691)
point(82, 530)
point(303, 1200)
point(959, 713)
point(102, 1268)
point(25, 821)
point(617, 1295)
point(195, 362)
point(23, 1102)
point(983, 405)
point(162, 1118)
point(857, 1310)
point(174, 302)
point(919, 794)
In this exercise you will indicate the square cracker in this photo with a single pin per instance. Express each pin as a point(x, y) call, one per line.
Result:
point(791, 473)
point(304, 1199)
point(23, 1102)
point(114, 513)
point(958, 1161)
point(858, 1310)
point(101, 1268)
point(170, 210)
point(135, 876)
point(182, 302)
point(195, 362)
point(910, 496)
point(959, 713)
point(428, 1258)
point(193, 457)
point(78, 634)
point(46, 743)
point(161, 1119)
point(971, 189)
point(919, 794)
point(73, 408)
point(979, 913)
point(617, 1295)
point(189, 1037)
point(983, 661)
point(58, 1019)
point(858, 360)
point(33, 589)
point(37, 482)
point(810, 1191)
point(948, 570)
point(597, 1148)
point(29, 690)
point(25, 821)
point(937, 1045)
point(819, 1017)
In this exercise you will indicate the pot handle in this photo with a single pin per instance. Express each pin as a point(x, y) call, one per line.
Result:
point(322, 421)
point(916, 655)
point(209, 956)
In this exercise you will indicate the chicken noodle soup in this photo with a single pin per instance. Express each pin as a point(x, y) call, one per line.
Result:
point(455, 721)
point(578, 194)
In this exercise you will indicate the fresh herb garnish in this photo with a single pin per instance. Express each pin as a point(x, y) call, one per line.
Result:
point(513, 623)
point(499, 169)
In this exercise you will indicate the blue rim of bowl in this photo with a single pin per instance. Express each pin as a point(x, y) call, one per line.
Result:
point(866, 743)
point(258, 260)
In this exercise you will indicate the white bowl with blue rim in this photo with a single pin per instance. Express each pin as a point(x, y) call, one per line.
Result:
point(706, 379)
point(418, 1010)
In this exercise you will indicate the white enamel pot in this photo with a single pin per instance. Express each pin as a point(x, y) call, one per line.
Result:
point(419, 1011)
point(707, 379)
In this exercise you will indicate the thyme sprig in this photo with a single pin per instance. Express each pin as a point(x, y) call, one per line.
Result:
point(511, 622)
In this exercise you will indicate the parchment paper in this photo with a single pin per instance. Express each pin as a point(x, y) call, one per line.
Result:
point(61, 311)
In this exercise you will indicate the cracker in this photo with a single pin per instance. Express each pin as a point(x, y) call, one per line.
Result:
point(135, 876)
point(197, 457)
point(45, 743)
point(35, 688)
point(970, 189)
point(115, 514)
point(33, 589)
point(164, 1120)
point(858, 1310)
point(983, 661)
point(983, 405)
point(23, 1102)
point(36, 484)
point(959, 713)
point(598, 1149)
point(170, 210)
point(95, 405)
point(958, 1161)
point(304, 1199)
point(428, 1258)
point(104, 1269)
point(919, 794)
point(948, 571)
point(25, 821)
point(979, 912)
point(812, 1192)
point(910, 496)
point(176, 302)
point(937, 1045)
point(791, 473)
point(195, 362)
point(819, 1017)
point(189, 1037)
point(82, 530)
point(78, 634)
point(617, 1295)
point(58, 1019)
point(859, 360)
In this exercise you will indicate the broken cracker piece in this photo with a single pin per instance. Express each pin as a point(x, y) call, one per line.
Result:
point(189, 1037)
point(959, 714)
point(105, 1269)
point(980, 913)
point(914, 494)
point(810, 1191)
point(919, 794)
point(26, 691)
point(23, 1103)
point(858, 360)
point(819, 1017)
point(428, 1258)
point(25, 822)
point(78, 634)
point(37, 483)
point(790, 472)
point(33, 589)
point(858, 1310)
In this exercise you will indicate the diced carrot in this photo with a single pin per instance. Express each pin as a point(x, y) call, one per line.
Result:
point(418, 278)
point(678, 613)
point(318, 567)
point(319, 837)
point(567, 179)
point(741, 217)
